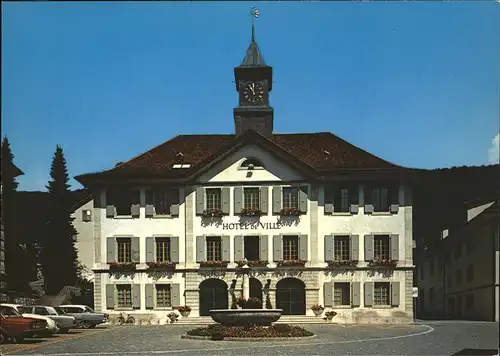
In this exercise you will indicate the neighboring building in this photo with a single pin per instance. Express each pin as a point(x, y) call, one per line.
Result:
point(201, 201)
point(459, 279)
point(84, 224)
point(3, 276)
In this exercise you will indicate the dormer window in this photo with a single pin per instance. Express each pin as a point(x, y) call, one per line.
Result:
point(251, 163)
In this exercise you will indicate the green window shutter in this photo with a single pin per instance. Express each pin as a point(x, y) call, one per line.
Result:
point(303, 199)
point(329, 191)
point(110, 211)
point(150, 301)
point(200, 200)
point(303, 248)
point(395, 294)
point(135, 210)
point(355, 294)
point(368, 289)
point(277, 200)
point(110, 296)
point(263, 248)
point(354, 245)
point(175, 294)
point(394, 247)
point(329, 248)
point(368, 247)
point(238, 200)
point(174, 209)
point(200, 248)
point(150, 249)
point(174, 249)
point(328, 294)
point(225, 200)
point(277, 248)
point(136, 291)
point(110, 249)
point(264, 200)
point(136, 250)
point(226, 256)
point(238, 248)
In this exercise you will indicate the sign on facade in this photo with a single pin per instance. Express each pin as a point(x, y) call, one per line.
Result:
point(415, 292)
point(251, 226)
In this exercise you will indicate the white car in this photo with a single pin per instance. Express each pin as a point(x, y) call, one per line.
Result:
point(51, 324)
point(63, 322)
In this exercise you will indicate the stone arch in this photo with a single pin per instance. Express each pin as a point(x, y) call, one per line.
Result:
point(291, 296)
point(213, 295)
point(256, 289)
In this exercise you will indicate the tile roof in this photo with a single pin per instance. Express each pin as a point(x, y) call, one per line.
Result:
point(321, 152)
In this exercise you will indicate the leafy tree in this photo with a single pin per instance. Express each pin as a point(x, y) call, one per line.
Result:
point(14, 254)
point(59, 255)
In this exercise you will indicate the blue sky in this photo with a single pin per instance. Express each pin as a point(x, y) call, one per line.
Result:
point(414, 83)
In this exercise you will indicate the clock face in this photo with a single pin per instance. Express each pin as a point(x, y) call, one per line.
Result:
point(253, 93)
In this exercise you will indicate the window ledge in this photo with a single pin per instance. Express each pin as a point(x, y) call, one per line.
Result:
point(124, 309)
point(161, 216)
point(341, 213)
point(382, 307)
point(342, 307)
point(124, 217)
point(162, 309)
point(382, 213)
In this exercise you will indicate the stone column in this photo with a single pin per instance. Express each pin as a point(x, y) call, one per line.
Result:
point(246, 282)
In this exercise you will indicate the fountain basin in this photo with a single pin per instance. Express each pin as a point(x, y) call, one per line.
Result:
point(244, 317)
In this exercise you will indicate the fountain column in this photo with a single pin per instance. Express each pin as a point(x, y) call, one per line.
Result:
point(246, 282)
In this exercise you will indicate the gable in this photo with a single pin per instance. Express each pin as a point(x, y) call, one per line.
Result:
point(272, 168)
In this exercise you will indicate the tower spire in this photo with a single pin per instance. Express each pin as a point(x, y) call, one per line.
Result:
point(255, 15)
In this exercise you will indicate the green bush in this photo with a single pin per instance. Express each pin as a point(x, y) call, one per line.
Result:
point(219, 332)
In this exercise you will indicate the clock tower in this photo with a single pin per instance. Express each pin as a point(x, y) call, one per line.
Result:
point(253, 83)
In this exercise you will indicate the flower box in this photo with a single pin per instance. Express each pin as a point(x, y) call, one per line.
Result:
point(256, 263)
point(299, 263)
point(342, 263)
point(214, 263)
point(330, 314)
point(213, 213)
point(289, 212)
point(184, 310)
point(122, 265)
point(250, 212)
point(317, 308)
point(161, 265)
point(383, 263)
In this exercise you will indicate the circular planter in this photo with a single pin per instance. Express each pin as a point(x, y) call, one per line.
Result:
point(318, 312)
point(243, 317)
point(192, 337)
point(185, 314)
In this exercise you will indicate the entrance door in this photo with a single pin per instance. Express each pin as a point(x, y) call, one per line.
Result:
point(451, 308)
point(291, 296)
point(255, 288)
point(213, 295)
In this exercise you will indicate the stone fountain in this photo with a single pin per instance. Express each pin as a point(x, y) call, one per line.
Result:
point(246, 317)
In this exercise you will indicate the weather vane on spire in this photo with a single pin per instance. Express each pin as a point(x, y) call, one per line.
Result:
point(255, 15)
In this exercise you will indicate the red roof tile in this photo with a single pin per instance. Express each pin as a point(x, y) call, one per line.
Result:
point(321, 151)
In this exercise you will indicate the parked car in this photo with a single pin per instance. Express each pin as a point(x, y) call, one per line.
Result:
point(51, 326)
point(84, 316)
point(15, 327)
point(63, 322)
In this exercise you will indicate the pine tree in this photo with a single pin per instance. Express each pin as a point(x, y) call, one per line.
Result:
point(59, 255)
point(14, 255)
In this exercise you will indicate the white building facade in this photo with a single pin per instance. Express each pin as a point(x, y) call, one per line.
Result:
point(315, 219)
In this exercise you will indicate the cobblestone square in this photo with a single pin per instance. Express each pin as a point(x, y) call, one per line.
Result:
point(431, 338)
